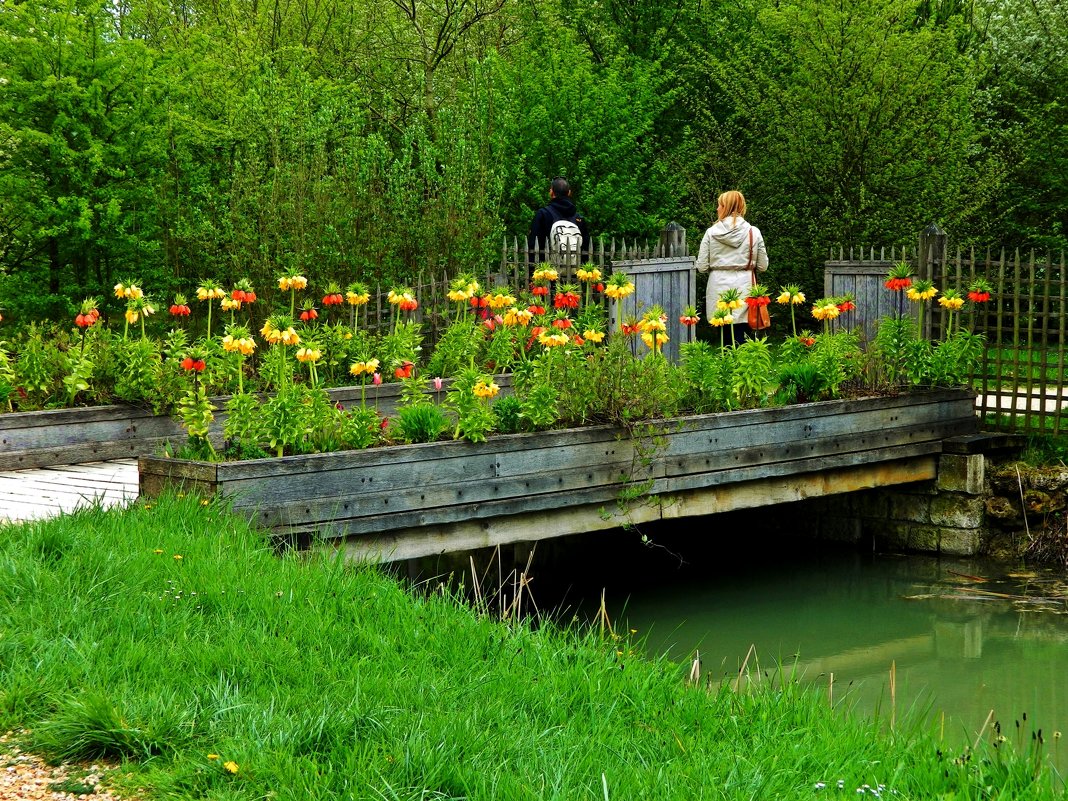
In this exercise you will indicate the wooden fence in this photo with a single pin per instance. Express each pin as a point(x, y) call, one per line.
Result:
point(1020, 381)
point(513, 271)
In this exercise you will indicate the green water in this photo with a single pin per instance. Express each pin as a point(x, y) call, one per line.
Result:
point(960, 652)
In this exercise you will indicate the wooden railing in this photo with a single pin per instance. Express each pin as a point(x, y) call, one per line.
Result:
point(513, 271)
point(1020, 381)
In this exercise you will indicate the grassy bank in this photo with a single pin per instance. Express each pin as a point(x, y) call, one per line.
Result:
point(171, 637)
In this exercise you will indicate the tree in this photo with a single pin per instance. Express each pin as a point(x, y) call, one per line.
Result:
point(79, 118)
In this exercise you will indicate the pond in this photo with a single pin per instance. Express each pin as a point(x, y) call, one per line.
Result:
point(968, 640)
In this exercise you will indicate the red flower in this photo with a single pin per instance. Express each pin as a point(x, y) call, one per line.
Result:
point(536, 309)
point(309, 314)
point(808, 341)
point(898, 283)
point(579, 341)
point(187, 363)
point(847, 306)
point(688, 320)
point(250, 297)
point(566, 300)
point(404, 371)
point(489, 323)
point(237, 294)
point(563, 323)
point(978, 297)
point(539, 291)
point(598, 287)
point(179, 310)
point(199, 365)
point(384, 423)
point(333, 300)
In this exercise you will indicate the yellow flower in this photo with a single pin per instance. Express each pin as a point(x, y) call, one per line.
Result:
point(484, 390)
point(158, 550)
point(551, 340)
point(309, 355)
point(588, 275)
point(230, 344)
point(951, 303)
point(132, 316)
point(283, 283)
point(499, 300)
point(290, 337)
point(297, 282)
point(231, 766)
point(546, 274)
point(359, 368)
point(593, 336)
point(134, 292)
point(177, 557)
point(202, 293)
point(458, 295)
point(229, 304)
point(213, 756)
point(120, 290)
point(618, 292)
point(357, 299)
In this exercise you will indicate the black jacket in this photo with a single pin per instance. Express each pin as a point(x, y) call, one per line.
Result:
point(559, 208)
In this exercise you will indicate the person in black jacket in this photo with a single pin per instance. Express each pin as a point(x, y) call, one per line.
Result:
point(560, 207)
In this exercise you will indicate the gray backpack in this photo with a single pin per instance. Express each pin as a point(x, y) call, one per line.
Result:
point(565, 241)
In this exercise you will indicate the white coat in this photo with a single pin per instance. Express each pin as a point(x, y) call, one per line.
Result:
point(725, 251)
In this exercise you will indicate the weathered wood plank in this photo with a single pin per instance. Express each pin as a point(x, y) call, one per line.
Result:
point(595, 514)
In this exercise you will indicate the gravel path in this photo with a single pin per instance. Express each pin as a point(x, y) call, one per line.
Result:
point(26, 777)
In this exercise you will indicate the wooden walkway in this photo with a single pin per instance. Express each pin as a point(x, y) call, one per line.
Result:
point(51, 491)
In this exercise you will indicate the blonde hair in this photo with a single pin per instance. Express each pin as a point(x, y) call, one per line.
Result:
point(731, 202)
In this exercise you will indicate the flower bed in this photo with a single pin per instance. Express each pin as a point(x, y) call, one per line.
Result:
point(75, 436)
point(403, 501)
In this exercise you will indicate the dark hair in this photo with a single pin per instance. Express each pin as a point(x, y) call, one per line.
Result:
point(560, 186)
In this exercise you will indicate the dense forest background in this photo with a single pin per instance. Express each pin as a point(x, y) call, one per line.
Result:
point(172, 140)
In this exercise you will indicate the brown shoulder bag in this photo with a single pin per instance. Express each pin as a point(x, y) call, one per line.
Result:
point(758, 317)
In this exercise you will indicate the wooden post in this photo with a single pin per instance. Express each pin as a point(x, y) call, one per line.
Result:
point(929, 264)
point(932, 249)
point(673, 241)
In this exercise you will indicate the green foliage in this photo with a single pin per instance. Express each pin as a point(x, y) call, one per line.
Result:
point(359, 428)
point(838, 358)
point(802, 382)
point(137, 366)
point(243, 425)
point(424, 422)
point(509, 411)
point(196, 413)
point(286, 421)
point(474, 415)
point(38, 367)
point(709, 374)
point(78, 373)
point(955, 358)
point(459, 347)
point(752, 372)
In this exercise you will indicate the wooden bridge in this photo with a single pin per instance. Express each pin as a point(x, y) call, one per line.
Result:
point(60, 489)
point(400, 502)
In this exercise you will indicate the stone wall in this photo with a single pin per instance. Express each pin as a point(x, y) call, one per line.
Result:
point(944, 516)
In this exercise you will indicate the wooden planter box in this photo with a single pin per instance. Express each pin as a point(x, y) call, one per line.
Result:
point(414, 500)
point(94, 433)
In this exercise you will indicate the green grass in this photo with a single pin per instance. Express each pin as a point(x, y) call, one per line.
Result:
point(322, 681)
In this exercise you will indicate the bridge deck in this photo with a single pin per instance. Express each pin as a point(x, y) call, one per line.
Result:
point(51, 491)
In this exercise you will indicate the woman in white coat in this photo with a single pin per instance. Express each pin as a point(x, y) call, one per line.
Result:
point(725, 250)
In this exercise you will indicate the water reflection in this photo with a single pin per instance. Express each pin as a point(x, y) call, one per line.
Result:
point(964, 637)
